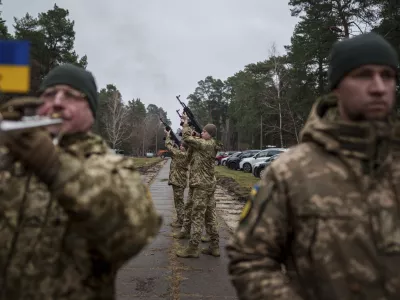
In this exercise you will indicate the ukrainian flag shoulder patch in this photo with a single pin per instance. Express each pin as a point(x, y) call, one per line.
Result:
point(249, 204)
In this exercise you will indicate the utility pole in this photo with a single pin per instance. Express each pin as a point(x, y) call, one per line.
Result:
point(261, 132)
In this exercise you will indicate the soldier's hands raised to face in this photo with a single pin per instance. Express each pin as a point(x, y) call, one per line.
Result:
point(184, 118)
point(16, 108)
point(36, 151)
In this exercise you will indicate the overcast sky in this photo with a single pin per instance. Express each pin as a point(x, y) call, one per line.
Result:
point(157, 49)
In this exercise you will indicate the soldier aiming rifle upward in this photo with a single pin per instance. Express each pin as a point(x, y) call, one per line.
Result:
point(192, 122)
point(171, 133)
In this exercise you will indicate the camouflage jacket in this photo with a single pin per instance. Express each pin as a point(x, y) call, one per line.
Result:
point(69, 243)
point(202, 160)
point(324, 221)
point(179, 166)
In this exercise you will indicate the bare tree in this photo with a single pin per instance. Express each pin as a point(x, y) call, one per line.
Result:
point(115, 121)
point(275, 99)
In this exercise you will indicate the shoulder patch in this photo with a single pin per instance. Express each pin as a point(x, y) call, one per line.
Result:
point(148, 194)
point(249, 204)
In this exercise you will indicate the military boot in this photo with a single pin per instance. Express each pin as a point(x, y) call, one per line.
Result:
point(176, 224)
point(182, 235)
point(211, 250)
point(188, 252)
point(205, 239)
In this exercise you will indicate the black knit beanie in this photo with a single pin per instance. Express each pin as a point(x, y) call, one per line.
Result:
point(75, 77)
point(364, 49)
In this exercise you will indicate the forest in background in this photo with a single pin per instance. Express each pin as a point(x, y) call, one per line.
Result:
point(265, 103)
point(128, 125)
point(268, 102)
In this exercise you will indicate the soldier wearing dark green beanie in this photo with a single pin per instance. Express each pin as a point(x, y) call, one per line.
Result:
point(75, 77)
point(363, 72)
point(331, 202)
point(78, 203)
point(364, 49)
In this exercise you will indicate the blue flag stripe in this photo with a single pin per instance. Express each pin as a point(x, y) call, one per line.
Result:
point(14, 53)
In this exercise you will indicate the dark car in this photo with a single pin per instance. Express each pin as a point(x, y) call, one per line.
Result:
point(236, 154)
point(233, 162)
point(221, 155)
point(259, 168)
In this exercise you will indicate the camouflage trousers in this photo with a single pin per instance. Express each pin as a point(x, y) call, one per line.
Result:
point(187, 220)
point(203, 213)
point(179, 203)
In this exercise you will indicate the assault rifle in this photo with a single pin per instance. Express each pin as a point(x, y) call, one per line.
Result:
point(192, 120)
point(171, 133)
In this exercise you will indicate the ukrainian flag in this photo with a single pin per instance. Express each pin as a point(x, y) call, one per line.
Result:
point(14, 66)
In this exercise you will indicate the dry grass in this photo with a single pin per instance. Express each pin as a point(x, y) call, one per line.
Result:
point(236, 182)
point(244, 180)
point(144, 161)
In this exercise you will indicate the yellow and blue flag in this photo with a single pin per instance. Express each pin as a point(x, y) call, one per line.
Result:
point(14, 66)
point(249, 204)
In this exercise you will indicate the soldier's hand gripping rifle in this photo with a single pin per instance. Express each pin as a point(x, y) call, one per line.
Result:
point(171, 133)
point(192, 120)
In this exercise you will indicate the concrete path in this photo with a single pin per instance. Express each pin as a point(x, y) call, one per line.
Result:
point(157, 273)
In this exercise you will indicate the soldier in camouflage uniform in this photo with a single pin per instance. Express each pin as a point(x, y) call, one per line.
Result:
point(177, 177)
point(203, 182)
point(187, 220)
point(72, 214)
point(327, 211)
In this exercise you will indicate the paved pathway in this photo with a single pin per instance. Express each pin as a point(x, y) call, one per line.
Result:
point(156, 273)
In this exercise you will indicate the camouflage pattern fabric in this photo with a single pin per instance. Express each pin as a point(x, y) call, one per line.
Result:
point(202, 172)
point(210, 220)
point(70, 242)
point(187, 220)
point(324, 222)
point(202, 180)
point(203, 214)
point(179, 165)
point(178, 176)
point(179, 203)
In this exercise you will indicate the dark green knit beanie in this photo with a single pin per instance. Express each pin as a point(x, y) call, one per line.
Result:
point(75, 77)
point(364, 49)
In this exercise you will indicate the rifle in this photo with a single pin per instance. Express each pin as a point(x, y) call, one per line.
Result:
point(171, 133)
point(192, 120)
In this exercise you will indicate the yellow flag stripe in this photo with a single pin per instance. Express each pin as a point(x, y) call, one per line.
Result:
point(14, 79)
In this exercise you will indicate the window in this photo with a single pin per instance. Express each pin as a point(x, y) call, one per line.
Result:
point(273, 152)
point(264, 154)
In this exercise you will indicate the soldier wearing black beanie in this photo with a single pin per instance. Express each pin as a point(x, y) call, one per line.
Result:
point(76, 77)
point(364, 49)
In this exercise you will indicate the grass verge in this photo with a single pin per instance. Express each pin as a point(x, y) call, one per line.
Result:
point(237, 182)
point(143, 164)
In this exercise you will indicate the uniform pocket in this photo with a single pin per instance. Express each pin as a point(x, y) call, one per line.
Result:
point(386, 230)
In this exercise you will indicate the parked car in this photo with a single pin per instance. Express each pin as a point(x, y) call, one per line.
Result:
point(222, 155)
point(247, 164)
point(259, 167)
point(228, 159)
point(149, 154)
point(225, 160)
point(233, 163)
